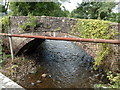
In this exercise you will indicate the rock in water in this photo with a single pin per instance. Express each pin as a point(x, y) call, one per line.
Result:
point(44, 75)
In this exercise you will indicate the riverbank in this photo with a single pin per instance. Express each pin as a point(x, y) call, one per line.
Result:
point(23, 68)
point(18, 68)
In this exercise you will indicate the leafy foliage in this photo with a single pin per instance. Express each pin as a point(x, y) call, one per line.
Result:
point(3, 57)
point(96, 29)
point(2, 8)
point(4, 24)
point(93, 28)
point(37, 9)
point(30, 23)
point(95, 10)
point(115, 17)
point(114, 81)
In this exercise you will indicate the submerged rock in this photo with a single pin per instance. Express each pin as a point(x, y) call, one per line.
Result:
point(44, 75)
point(32, 83)
point(38, 81)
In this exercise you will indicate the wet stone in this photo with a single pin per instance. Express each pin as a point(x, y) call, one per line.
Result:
point(33, 84)
point(50, 76)
point(44, 75)
point(38, 81)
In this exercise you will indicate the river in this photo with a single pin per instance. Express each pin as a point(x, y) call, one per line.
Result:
point(65, 65)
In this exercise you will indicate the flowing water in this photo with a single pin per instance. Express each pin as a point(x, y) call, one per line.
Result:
point(65, 64)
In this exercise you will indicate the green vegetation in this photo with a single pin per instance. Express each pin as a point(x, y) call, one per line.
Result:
point(96, 29)
point(114, 81)
point(12, 69)
point(90, 28)
point(96, 10)
point(102, 54)
point(3, 57)
point(30, 23)
point(37, 9)
point(4, 24)
point(2, 8)
point(87, 26)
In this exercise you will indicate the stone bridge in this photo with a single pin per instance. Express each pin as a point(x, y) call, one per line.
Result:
point(47, 26)
point(50, 26)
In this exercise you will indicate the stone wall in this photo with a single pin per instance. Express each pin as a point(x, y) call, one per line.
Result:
point(50, 24)
point(46, 24)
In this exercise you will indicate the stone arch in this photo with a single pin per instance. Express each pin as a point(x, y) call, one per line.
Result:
point(28, 45)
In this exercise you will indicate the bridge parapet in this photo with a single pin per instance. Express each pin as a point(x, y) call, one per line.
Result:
point(44, 24)
point(48, 24)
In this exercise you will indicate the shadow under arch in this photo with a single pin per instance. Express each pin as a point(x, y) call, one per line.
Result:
point(31, 44)
point(30, 47)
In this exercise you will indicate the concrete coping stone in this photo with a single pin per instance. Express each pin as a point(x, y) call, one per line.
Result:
point(6, 83)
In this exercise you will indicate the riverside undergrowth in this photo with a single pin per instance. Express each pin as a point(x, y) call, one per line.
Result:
point(99, 29)
point(4, 26)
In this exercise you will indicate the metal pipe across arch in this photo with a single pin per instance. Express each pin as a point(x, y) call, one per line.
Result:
point(63, 38)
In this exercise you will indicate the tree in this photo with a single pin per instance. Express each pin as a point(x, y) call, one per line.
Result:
point(94, 10)
point(37, 9)
point(2, 8)
point(115, 17)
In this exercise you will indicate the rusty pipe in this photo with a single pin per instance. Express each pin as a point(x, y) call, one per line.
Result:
point(63, 38)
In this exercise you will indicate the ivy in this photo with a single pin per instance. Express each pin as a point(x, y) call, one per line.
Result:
point(96, 29)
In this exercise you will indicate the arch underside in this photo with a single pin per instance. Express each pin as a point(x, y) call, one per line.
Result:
point(29, 45)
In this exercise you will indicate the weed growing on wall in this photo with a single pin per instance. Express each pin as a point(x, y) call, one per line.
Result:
point(30, 23)
point(4, 24)
point(96, 29)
